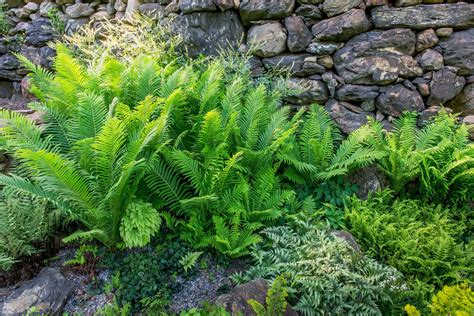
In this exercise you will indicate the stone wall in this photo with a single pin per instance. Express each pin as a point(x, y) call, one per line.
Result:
point(359, 58)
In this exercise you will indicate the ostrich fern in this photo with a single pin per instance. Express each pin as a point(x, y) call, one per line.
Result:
point(438, 155)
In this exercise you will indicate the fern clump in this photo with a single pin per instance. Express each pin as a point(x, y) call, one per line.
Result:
point(420, 240)
point(27, 223)
point(438, 157)
point(324, 274)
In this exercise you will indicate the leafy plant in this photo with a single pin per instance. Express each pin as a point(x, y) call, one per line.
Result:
point(189, 260)
point(207, 310)
point(113, 310)
point(27, 224)
point(324, 274)
point(275, 300)
point(92, 155)
point(438, 156)
point(420, 240)
point(451, 300)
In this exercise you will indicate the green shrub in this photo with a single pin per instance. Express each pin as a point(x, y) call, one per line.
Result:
point(26, 225)
point(325, 275)
point(420, 240)
point(56, 21)
point(439, 157)
point(451, 300)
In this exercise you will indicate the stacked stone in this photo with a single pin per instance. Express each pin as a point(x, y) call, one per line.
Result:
point(359, 58)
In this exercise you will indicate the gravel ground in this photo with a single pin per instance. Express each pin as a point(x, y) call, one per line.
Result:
point(206, 285)
point(81, 302)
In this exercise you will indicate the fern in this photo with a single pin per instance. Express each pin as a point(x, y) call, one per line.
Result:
point(275, 300)
point(189, 260)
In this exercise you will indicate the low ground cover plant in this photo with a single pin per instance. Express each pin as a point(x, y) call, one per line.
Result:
point(420, 240)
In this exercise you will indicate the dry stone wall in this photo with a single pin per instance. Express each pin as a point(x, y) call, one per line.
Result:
point(359, 58)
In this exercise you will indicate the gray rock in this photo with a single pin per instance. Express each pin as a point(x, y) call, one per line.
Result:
point(444, 31)
point(424, 89)
point(420, 17)
point(79, 10)
point(6, 92)
point(427, 115)
point(73, 25)
point(307, 91)
point(397, 98)
point(310, 13)
point(47, 293)
point(326, 61)
point(430, 60)
point(236, 302)
point(209, 32)
point(369, 181)
point(267, 40)
point(347, 120)
point(8, 67)
point(299, 36)
point(319, 48)
point(288, 62)
point(378, 57)
point(426, 39)
point(464, 102)
point(227, 4)
point(188, 6)
point(357, 93)
point(445, 85)
point(256, 66)
point(254, 10)
point(39, 32)
point(335, 7)
point(331, 82)
point(312, 66)
point(152, 10)
point(458, 51)
point(342, 27)
point(348, 238)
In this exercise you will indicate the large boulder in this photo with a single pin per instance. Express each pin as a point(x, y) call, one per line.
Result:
point(39, 32)
point(464, 102)
point(458, 51)
point(420, 17)
point(378, 57)
point(335, 7)
point(254, 10)
point(47, 293)
point(236, 302)
point(397, 98)
point(444, 86)
point(209, 32)
point(342, 27)
point(347, 116)
point(267, 40)
point(299, 37)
